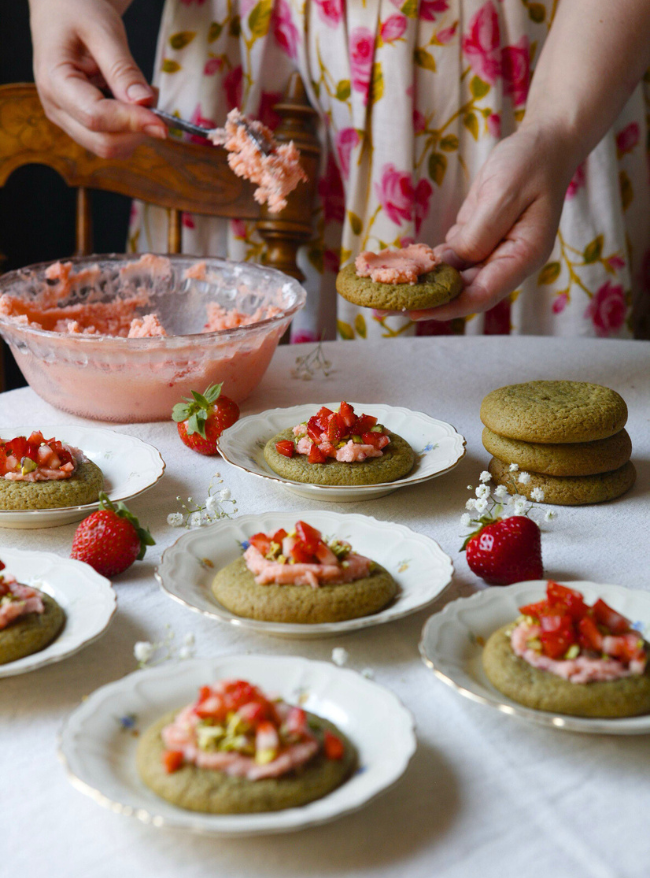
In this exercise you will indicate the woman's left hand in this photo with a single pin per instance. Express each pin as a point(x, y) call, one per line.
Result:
point(506, 227)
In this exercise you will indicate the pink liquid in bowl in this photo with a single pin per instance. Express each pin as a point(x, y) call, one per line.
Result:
point(140, 379)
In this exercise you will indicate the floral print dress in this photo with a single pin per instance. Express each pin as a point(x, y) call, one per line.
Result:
point(412, 96)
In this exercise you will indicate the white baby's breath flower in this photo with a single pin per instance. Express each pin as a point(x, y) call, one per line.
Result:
point(523, 478)
point(500, 492)
point(340, 656)
point(480, 505)
point(195, 519)
point(465, 519)
point(175, 519)
point(482, 492)
point(470, 488)
point(212, 505)
point(225, 494)
point(537, 494)
point(368, 673)
point(519, 507)
point(471, 504)
point(185, 652)
point(143, 651)
point(550, 515)
point(485, 476)
point(513, 467)
point(188, 640)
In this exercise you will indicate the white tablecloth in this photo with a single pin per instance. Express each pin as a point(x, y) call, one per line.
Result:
point(485, 794)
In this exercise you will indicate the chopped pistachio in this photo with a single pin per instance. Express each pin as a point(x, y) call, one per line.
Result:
point(357, 440)
point(378, 428)
point(28, 465)
point(262, 757)
point(341, 444)
point(572, 652)
point(281, 559)
point(345, 563)
point(534, 643)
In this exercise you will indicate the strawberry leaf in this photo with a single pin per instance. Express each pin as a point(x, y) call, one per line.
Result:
point(202, 401)
point(180, 412)
point(213, 392)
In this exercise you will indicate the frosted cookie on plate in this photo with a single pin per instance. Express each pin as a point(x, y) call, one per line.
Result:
point(236, 750)
point(563, 656)
point(339, 448)
point(301, 578)
point(410, 279)
point(39, 473)
point(29, 619)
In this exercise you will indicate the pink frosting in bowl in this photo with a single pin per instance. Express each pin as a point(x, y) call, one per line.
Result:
point(123, 338)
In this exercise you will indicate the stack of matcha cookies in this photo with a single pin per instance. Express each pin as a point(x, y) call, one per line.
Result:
point(568, 435)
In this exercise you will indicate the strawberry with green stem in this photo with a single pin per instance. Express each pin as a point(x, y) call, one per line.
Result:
point(203, 418)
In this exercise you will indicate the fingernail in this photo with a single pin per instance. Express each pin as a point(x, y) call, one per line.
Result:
point(155, 131)
point(139, 92)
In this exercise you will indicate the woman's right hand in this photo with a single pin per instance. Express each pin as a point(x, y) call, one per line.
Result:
point(80, 47)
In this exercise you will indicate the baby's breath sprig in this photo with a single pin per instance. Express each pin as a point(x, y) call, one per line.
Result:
point(494, 504)
point(149, 654)
point(213, 509)
point(308, 365)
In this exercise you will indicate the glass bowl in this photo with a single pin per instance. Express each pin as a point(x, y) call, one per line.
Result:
point(140, 379)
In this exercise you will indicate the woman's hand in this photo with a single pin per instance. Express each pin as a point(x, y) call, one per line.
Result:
point(80, 46)
point(506, 227)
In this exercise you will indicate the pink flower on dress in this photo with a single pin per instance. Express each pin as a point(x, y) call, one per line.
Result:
point(232, 86)
point(331, 261)
point(238, 228)
point(304, 336)
point(607, 309)
point(419, 121)
point(284, 30)
point(577, 182)
point(447, 34)
point(627, 139)
point(212, 66)
point(346, 140)
point(393, 28)
point(330, 11)
point(406, 241)
point(421, 200)
point(482, 43)
point(188, 220)
point(266, 112)
point(330, 189)
point(395, 193)
point(362, 49)
point(189, 2)
point(560, 303)
point(197, 118)
point(515, 66)
point(494, 124)
point(430, 8)
point(616, 262)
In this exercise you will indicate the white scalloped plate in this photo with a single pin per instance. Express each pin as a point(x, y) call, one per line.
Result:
point(130, 468)
point(100, 756)
point(437, 445)
point(417, 563)
point(451, 646)
point(87, 599)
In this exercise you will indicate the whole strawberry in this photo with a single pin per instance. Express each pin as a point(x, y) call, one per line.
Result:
point(505, 551)
point(203, 419)
point(111, 539)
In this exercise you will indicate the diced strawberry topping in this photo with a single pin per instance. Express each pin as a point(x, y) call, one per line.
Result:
point(261, 542)
point(333, 746)
point(296, 721)
point(363, 424)
point(279, 535)
point(336, 428)
point(605, 615)
point(589, 636)
point(572, 600)
point(285, 447)
point(172, 760)
point(309, 535)
point(316, 455)
point(347, 414)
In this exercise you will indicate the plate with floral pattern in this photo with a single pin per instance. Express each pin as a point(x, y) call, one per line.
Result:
point(130, 467)
point(98, 748)
point(416, 562)
point(452, 644)
point(438, 448)
point(87, 599)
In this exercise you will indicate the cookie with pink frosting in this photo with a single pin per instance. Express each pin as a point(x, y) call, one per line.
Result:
point(408, 279)
point(29, 619)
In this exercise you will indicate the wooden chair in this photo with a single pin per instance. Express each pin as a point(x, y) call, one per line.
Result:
point(173, 174)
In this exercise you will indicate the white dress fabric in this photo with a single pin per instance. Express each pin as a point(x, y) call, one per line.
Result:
point(412, 97)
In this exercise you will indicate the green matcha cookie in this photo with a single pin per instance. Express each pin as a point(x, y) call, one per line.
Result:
point(436, 287)
point(541, 690)
point(570, 459)
point(215, 792)
point(554, 411)
point(236, 589)
point(568, 490)
point(32, 632)
point(396, 461)
point(81, 488)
